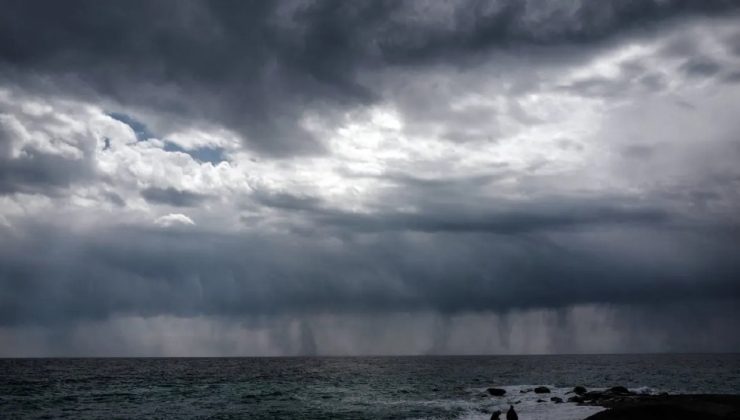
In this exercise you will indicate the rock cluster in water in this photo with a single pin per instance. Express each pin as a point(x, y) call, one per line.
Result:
point(615, 393)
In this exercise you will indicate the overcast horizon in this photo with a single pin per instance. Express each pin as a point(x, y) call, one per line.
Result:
point(215, 178)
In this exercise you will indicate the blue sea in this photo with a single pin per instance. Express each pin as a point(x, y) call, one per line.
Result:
point(421, 387)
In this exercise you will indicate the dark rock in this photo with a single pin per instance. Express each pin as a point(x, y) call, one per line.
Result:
point(579, 390)
point(511, 414)
point(576, 399)
point(556, 400)
point(673, 407)
point(619, 390)
point(542, 390)
point(539, 401)
point(655, 412)
point(495, 415)
point(496, 392)
point(593, 395)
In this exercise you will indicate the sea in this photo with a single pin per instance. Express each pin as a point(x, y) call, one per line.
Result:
point(414, 387)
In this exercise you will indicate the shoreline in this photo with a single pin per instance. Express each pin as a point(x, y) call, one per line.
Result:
point(664, 406)
point(615, 403)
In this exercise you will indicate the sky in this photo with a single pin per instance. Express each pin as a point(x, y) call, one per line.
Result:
point(223, 178)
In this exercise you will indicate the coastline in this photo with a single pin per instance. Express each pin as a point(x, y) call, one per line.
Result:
point(615, 403)
point(674, 407)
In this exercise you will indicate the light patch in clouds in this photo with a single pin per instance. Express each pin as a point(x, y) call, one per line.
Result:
point(174, 219)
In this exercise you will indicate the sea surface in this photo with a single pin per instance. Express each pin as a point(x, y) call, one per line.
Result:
point(341, 387)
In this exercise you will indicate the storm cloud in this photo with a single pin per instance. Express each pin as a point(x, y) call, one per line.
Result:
point(506, 174)
point(254, 67)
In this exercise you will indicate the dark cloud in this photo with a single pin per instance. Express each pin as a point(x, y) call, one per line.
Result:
point(255, 67)
point(460, 205)
point(114, 198)
point(287, 201)
point(517, 221)
point(54, 275)
point(633, 77)
point(36, 171)
point(173, 197)
point(700, 67)
point(733, 77)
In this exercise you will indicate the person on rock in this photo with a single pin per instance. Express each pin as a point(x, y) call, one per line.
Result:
point(511, 414)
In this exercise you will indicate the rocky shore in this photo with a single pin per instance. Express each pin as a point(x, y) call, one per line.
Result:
point(622, 404)
point(673, 407)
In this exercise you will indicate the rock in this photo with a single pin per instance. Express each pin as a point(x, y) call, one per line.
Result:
point(556, 400)
point(540, 401)
point(593, 395)
point(619, 390)
point(542, 390)
point(671, 407)
point(576, 399)
point(495, 415)
point(496, 392)
point(579, 390)
point(524, 391)
point(511, 414)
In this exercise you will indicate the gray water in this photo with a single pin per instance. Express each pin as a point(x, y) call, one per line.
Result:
point(337, 387)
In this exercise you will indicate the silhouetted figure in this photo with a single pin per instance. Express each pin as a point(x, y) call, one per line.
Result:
point(511, 414)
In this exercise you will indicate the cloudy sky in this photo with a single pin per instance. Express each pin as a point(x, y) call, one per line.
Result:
point(369, 177)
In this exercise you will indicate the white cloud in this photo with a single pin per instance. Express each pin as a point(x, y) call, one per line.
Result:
point(174, 219)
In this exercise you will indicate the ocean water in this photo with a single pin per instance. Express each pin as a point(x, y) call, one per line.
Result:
point(341, 387)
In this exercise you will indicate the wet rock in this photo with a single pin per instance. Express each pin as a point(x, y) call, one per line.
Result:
point(541, 401)
point(496, 392)
point(619, 390)
point(496, 415)
point(542, 390)
point(671, 407)
point(614, 394)
point(579, 390)
point(593, 395)
point(576, 399)
point(556, 400)
point(657, 412)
